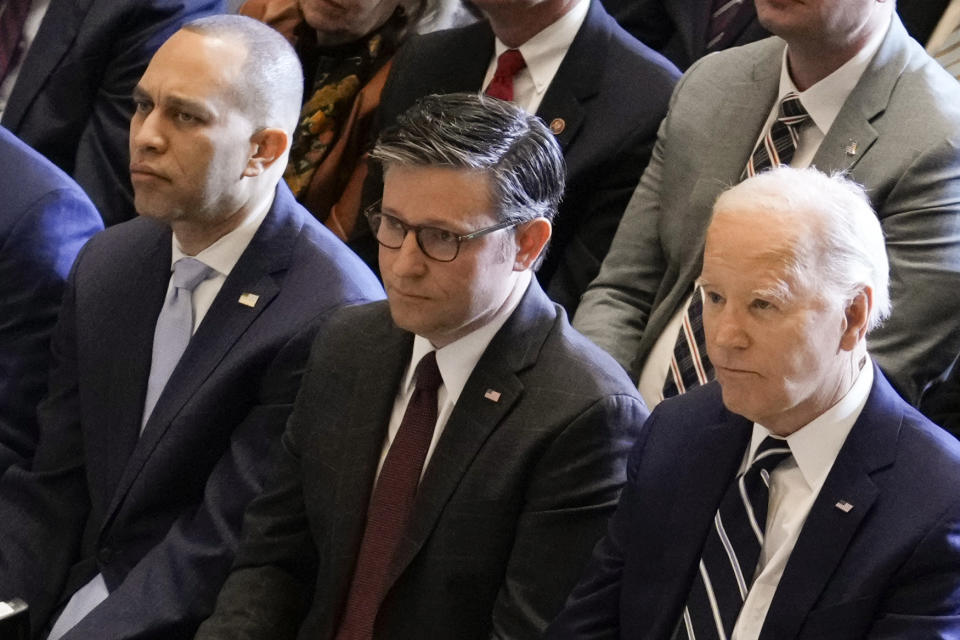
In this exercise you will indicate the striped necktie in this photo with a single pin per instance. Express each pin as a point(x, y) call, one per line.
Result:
point(730, 553)
point(780, 142)
point(689, 366)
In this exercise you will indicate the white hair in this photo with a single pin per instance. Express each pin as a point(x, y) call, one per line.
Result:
point(847, 240)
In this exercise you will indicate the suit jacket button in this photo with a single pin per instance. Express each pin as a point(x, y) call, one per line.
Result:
point(105, 555)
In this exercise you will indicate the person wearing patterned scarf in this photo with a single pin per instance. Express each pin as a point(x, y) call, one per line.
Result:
point(346, 48)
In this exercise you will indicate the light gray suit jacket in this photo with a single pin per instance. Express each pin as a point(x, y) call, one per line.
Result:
point(903, 115)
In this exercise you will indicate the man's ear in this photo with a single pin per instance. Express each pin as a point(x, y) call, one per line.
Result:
point(531, 236)
point(856, 319)
point(266, 147)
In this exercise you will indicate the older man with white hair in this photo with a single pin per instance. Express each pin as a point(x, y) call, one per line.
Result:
point(798, 496)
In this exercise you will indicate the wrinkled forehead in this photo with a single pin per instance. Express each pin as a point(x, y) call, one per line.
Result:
point(760, 245)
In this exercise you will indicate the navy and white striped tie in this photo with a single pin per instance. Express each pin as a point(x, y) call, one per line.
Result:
point(780, 142)
point(729, 556)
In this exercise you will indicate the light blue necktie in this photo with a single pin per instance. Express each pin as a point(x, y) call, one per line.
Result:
point(174, 327)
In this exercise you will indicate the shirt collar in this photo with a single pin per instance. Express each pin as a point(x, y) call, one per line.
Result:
point(222, 255)
point(824, 100)
point(544, 52)
point(457, 360)
point(815, 445)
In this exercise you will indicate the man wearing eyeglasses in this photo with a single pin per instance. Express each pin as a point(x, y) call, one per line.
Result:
point(452, 460)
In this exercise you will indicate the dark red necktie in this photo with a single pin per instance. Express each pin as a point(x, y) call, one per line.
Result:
point(13, 16)
point(509, 64)
point(392, 503)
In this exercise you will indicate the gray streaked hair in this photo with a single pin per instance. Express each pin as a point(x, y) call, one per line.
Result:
point(271, 86)
point(848, 246)
point(470, 131)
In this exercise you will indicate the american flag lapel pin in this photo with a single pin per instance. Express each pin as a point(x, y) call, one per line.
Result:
point(492, 396)
point(249, 299)
point(844, 506)
point(851, 148)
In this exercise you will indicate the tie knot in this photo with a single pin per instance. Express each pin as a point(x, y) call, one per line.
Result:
point(428, 374)
point(771, 452)
point(792, 111)
point(188, 273)
point(509, 63)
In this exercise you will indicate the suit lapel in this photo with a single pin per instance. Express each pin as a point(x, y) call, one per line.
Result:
point(745, 108)
point(129, 330)
point(828, 529)
point(362, 443)
point(716, 452)
point(258, 272)
point(515, 348)
point(57, 32)
point(577, 78)
point(852, 134)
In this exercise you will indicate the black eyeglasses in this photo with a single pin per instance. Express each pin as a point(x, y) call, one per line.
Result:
point(438, 244)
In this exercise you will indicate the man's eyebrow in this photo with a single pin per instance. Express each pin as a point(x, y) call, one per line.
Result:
point(179, 102)
point(139, 93)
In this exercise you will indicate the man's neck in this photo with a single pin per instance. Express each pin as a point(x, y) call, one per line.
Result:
point(193, 236)
point(812, 60)
point(516, 26)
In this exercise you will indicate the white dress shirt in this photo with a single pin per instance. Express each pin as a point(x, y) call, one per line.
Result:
point(794, 487)
point(823, 101)
point(456, 362)
point(543, 54)
point(221, 256)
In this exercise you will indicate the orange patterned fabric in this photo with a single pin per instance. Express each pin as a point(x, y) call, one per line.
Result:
point(328, 156)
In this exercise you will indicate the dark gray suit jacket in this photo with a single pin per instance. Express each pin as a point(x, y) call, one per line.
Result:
point(898, 134)
point(158, 514)
point(517, 491)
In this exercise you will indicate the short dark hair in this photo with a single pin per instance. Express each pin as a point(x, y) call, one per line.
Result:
point(471, 131)
point(272, 88)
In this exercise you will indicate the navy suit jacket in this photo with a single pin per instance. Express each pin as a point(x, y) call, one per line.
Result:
point(44, 220)
point(516, 493)
point(71, 101)
point(887, 568)
point(610, 93)
point(158, 514)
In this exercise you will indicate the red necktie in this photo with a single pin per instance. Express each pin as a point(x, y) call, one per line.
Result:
point(13, 16)
point(392, 503)
point(509, 64)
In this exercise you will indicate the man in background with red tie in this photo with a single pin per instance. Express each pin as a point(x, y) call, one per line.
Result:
point(455, 454)
point(843, 88)
point(601, 92)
